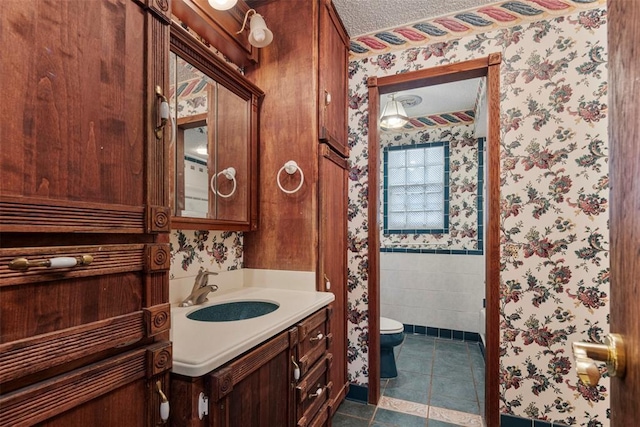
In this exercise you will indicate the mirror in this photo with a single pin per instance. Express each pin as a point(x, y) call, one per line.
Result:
point(214, 139)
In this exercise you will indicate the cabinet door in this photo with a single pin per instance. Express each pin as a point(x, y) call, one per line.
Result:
point(332, 102)
point(332, 269)
point(254, 390)
point(79, 114)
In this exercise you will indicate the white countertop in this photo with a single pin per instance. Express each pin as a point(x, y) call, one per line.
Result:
point(200, 347)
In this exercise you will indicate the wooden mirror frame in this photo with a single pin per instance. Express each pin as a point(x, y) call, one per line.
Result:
point(490, 68)
point(184, 45)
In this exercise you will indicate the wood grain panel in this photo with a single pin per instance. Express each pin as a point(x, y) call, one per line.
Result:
point(624, 145)
point(332, 263)
point(27, 356)
point(246, 365)
point(333, 79)
point(288, 131)
point(40, 308)
point(47, 399)
point(75, 137)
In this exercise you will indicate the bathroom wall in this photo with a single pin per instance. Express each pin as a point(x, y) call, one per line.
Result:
point(554, 278)
point(421, 281)
point(433, 290)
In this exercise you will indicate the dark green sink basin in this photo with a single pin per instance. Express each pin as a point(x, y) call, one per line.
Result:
point(231, 311)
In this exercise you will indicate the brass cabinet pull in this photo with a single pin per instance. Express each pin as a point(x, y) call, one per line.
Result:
point(164, 112)
point(612, 353)
point(318, 337)
point(164, 403)
point(24, 264)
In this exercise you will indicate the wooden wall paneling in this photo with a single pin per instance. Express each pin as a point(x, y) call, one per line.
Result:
point(287, 73)
point(219, 28)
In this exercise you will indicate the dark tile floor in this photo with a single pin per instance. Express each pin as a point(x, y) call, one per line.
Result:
point(440, 383)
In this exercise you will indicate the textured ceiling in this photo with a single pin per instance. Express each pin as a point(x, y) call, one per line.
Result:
point(367, 16)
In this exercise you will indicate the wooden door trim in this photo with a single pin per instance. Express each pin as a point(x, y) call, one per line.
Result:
point(488, 66)
point(624, 150)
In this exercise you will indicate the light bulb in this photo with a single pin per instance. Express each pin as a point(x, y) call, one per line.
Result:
point(259, 35)
point(222, 4)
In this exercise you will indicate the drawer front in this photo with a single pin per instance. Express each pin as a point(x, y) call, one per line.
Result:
point(313, 340)
point(313, 391)
point(71, 313)
point(87, 392)
point(321, 417)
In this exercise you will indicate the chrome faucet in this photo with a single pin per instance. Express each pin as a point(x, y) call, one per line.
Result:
point(201, 289)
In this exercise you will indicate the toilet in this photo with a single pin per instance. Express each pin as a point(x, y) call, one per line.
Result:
point(391, 335)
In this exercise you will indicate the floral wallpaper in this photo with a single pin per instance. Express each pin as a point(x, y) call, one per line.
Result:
point(463, 188)
point(214, 250)
point(554, 277)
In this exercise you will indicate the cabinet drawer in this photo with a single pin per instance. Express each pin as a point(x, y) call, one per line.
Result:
point(87, 390)
point(321, 417)
point(71, 313)
point(313, 391)
point(313, 340)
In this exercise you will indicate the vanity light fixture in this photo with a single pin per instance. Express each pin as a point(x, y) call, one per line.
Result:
point(259, 34)
point(222, 4)
point(393, 115)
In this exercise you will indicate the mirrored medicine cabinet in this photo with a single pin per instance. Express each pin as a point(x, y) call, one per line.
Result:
point(214, 140)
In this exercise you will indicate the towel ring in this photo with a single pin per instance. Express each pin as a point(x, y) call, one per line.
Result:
point(291, 167)
point(230, 174)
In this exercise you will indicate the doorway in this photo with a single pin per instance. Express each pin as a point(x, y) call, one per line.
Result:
point(487, 67)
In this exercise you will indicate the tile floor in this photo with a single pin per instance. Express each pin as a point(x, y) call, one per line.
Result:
point(440, 383)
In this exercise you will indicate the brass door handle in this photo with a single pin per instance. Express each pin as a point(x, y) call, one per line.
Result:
point(612, 353)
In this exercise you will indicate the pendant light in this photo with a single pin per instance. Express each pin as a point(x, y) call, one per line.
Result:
point(393, 115)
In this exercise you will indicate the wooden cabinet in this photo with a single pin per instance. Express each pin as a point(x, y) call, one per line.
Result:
point(84, 217)
point(305, 230)
point(332, 243)
point(215, 152)
point(333, 61)
point(259, 388)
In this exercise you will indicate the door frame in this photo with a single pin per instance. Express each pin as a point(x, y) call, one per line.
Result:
point(488, 67)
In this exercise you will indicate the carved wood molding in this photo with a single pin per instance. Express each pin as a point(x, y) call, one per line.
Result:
point(37, 215)
point(24, 357)
point(31, 405)
point(157, 319)
point(158, 257)
point(107, 259)
point(159, 358)
point(159, 219)
point(161, 9)
point(494, 58)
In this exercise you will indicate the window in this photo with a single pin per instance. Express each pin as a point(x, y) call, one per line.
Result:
point(416, 188)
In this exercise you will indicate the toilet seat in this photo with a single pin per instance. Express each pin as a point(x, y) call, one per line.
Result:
point(390, 326)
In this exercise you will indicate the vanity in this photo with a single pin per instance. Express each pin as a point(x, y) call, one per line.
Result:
point(270, 370)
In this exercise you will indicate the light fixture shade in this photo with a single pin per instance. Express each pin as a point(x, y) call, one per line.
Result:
point(393, 115)
point(222, 4)
point(259, 34)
